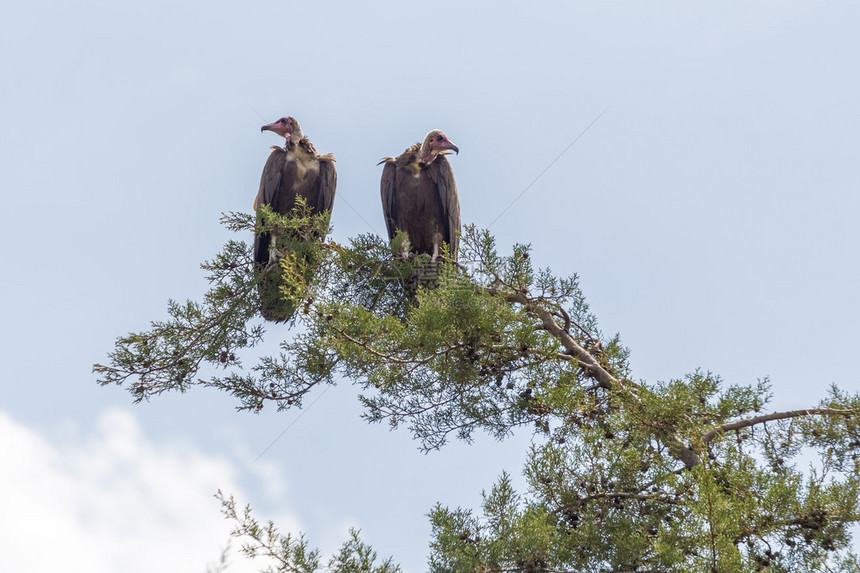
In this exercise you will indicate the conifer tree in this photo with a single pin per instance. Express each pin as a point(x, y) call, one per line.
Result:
point(686, 475)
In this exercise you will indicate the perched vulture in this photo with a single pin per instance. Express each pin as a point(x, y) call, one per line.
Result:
point(295, 170)
point(419, 196)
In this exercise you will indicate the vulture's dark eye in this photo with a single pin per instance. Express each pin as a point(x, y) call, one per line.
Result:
point(283, 120)
point(439, 138)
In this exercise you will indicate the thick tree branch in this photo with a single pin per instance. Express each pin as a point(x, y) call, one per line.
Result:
point(586, 360)
point(591, 365)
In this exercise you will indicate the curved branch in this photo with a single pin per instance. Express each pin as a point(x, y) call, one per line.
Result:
point(592, 366)
point(739, 424)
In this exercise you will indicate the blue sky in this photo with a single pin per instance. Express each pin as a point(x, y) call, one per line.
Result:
point(710, 213)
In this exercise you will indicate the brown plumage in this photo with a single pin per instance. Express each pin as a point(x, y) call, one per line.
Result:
point(295, 170)
point(419, 196)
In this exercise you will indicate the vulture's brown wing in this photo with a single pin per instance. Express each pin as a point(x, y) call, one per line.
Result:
point(270, 185)
point(327, 185)
point(270, 181)
point(389, 203)
point(447, 187)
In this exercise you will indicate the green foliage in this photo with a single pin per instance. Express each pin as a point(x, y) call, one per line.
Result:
point(295, 245)
point(170, 354)
point(511, 536)
point(286, 554)
point(685, 475)
point(357, 557)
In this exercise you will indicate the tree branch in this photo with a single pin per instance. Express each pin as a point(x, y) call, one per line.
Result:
point(591, 365)
point(739, 424)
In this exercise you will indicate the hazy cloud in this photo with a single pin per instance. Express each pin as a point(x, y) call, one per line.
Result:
point(112, 500)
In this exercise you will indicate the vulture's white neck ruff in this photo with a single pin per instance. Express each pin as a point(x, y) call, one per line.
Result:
point(296, 135)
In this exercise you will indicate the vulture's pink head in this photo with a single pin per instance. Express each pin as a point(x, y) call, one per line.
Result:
point(434, 144)
point(287, 127)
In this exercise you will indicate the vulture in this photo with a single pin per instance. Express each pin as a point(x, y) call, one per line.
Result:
point(419, 196)
point(294, 170)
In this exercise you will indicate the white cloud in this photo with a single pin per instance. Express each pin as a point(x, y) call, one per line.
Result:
point(111, 501)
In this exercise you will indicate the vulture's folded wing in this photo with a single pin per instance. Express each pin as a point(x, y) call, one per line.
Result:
point(270, 181)
point(389, 203)
point(447, 188)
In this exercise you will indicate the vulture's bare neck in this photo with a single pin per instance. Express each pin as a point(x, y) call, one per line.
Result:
point(414, 157)
point(419, 154)
point(425, 154)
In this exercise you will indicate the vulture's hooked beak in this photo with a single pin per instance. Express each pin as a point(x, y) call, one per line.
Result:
point(266, 128)
point(448, 144)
